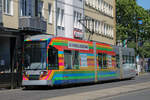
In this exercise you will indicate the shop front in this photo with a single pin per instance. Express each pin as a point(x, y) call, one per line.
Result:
point(10, 59)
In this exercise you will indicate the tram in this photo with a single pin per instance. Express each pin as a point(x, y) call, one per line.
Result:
point(50, 61)
point(125, 62)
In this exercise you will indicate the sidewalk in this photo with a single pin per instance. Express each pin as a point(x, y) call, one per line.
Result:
point(101, 94)
point(144, 73)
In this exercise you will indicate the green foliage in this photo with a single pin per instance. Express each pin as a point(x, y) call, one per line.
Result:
point(128, 12)
point(145, 49)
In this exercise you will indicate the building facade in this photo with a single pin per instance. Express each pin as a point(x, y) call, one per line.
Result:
point(69, 12)
point(66, 18)
point(0, 13)
point(100, 20)
point(20, 19)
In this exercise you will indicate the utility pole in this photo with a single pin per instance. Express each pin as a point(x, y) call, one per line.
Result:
point(95, 61)
point(120, 62)
point(91, 32)
point(139, 22)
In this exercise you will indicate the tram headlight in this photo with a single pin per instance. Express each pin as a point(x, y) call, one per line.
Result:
point(25, 73)
point(43, 73)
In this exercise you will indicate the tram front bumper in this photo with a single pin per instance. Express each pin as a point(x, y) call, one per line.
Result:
point(36, 83)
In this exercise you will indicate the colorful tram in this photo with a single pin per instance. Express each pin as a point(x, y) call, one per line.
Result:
point(50, 60)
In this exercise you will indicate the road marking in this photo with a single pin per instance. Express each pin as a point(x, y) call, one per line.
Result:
point(99, 94)
point(124, 94)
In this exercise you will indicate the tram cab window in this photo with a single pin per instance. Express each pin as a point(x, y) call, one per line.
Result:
point(52, 58)
point(71, 59)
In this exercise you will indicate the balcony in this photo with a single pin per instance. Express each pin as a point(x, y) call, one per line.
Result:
point(33, 24)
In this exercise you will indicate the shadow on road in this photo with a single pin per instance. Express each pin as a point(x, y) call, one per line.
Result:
point(33, 88)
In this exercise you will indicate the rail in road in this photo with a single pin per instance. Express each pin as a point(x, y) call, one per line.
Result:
point(100, 94)
point(85, 92)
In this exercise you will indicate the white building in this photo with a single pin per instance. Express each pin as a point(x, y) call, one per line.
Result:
point(68, 14)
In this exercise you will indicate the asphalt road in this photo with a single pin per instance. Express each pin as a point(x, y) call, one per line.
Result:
point(137, 95)
point(38, 94)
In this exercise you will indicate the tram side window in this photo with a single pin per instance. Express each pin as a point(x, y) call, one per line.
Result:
point(104, 61)
point(68, 59)
point(114, 61)
point(109, 60)
point(130, 59)
point(124, 59)
point(71, 59)
point(75, 60)
point(133, 60)
point(127, 59)
point(100, 60)
point(117, 61)
point(52, 58)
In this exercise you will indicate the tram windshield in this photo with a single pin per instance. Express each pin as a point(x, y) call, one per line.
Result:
point(35, 55)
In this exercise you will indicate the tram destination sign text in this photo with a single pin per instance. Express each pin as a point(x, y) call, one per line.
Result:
point(80, 46)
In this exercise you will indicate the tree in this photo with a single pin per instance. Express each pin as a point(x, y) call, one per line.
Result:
point(128, 15)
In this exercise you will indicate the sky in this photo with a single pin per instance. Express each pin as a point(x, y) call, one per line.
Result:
point(144, 3)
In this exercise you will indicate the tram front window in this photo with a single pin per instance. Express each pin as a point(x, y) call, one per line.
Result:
point(35, 55)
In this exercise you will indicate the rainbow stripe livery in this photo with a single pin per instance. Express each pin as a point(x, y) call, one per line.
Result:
point(86, 72)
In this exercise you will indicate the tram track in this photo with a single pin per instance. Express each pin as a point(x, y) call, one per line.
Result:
point(101, 94)
point(83, 90)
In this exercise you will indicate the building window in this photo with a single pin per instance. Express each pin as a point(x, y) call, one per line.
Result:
point(100, 29)
point(8, 7)
point(60, 17)
point(77, 16)
point(74, 19)
point(40, 9)
point(112, 32)
point(79, 21)
point(49, 13)
point(26, 8)
point(99, 4)
point(105, 29)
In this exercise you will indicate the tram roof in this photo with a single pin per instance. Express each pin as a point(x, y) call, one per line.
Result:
point(39, 37)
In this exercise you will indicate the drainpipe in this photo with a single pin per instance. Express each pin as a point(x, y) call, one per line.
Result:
point(84, 34)
point(0, 12)
point(55, 19)
point(121, 61)
point(95, 61)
